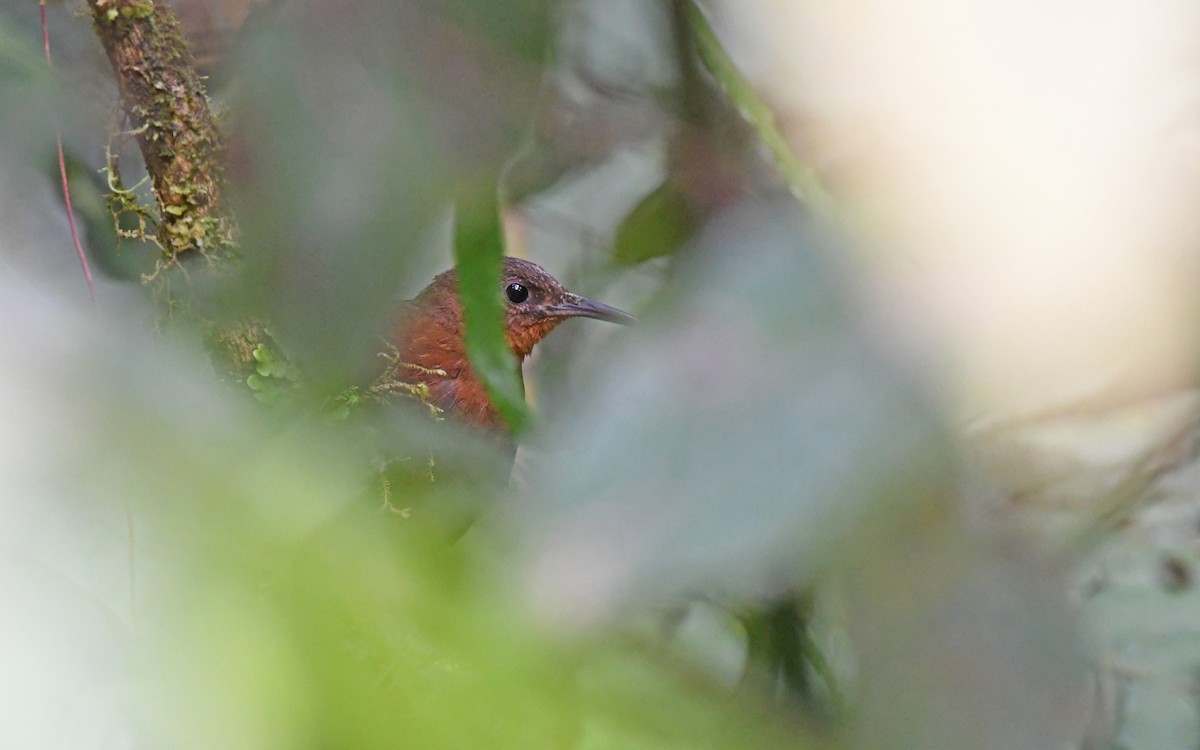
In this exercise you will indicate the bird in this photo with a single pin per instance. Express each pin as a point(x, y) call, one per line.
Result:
point(429, 337)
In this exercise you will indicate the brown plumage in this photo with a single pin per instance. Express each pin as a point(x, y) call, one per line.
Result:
point(429, 336)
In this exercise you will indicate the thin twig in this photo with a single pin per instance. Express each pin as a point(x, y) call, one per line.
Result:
point(62, 171)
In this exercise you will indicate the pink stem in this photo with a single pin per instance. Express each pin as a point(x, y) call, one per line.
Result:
point(62, 170)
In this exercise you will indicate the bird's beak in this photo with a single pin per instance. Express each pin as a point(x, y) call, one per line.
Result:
point(575, 306)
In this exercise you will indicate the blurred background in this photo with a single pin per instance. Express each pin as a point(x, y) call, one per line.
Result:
point(901, 454)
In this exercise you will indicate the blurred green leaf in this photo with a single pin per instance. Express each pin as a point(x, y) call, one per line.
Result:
point(337, 184)
point(803, 181)
point(478, 249)
point(520, 26)
point(732, 439)
point(20, 57)
point(659, 225)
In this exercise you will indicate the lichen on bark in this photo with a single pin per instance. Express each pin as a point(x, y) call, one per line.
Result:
point(169, 112)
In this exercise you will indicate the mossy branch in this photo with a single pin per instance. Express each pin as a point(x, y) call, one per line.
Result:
point(178, 136)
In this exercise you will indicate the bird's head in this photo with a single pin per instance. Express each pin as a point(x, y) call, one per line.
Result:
point(534, 303)
point(431, 325)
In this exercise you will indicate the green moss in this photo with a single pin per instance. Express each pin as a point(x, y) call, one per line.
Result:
point(137, 10)
point(178, 138)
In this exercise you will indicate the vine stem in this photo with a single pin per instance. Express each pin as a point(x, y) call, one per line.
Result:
point(62, 171)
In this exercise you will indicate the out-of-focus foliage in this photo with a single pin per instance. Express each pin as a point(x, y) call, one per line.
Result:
point(748, 355)
point(753, 520)
point(479, 249)
point(660, 224)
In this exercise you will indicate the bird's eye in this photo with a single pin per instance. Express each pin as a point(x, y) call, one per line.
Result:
point(516, 293)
